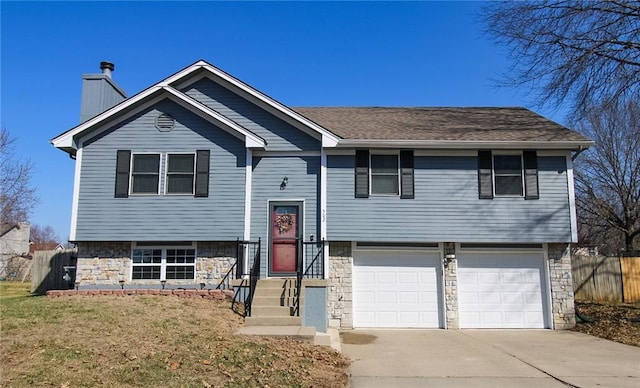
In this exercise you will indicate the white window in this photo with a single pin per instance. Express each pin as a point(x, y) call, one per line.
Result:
point(508, 175)
point(180, 173)
point(145, 173)
point(163, 263)
point(385, 174)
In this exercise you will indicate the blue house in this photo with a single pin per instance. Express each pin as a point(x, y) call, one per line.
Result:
point(345, 217)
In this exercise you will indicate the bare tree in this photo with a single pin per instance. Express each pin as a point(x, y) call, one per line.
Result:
point(17, 196)
point(44, 235)
point(608, 176)
point(577, 52)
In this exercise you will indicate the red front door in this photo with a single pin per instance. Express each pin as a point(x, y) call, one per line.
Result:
point(285, 220)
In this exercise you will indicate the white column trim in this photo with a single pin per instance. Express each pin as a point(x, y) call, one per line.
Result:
point(323, 209)
point(572, 200)
point(248, 175)
point(76, 194)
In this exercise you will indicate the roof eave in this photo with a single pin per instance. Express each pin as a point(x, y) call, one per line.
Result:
point(464, 144)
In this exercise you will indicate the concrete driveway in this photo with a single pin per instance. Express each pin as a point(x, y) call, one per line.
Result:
point(490, 358)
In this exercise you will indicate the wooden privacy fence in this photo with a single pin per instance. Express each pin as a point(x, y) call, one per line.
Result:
point(606, 279)
point(48, 270)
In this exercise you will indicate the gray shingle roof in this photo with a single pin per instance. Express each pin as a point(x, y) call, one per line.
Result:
point(440, 124)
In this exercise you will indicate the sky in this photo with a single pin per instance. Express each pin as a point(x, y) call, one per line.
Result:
point(300, 53)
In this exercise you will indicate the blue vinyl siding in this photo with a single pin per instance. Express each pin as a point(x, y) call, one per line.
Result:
point(446, 206)
point(304, 182)
point(279, 135)
point(220, 216)
point(98, 95)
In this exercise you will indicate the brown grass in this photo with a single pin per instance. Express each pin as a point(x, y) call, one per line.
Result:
point(149, 341)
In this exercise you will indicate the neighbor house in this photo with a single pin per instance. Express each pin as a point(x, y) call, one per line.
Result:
point(414, 217)
point(14, 248)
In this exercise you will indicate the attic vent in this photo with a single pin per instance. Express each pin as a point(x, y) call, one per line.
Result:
point(165, 122)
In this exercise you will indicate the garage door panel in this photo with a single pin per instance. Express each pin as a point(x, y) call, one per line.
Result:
point(404, 286)
point(501, 290)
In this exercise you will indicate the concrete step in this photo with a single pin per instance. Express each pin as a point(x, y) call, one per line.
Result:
point(271, 301)
point(277, 283)
point(304, 333)
point(264, 291)
point(272, 321)
point(268, 311)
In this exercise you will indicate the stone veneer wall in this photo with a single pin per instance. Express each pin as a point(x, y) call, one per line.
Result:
point(451, 294)
point(104, 264)
point(339, 295)
point(562, 301)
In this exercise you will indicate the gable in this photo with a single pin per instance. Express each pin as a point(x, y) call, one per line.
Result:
point(278, 134)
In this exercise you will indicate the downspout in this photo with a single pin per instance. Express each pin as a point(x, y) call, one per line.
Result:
point(578, 152)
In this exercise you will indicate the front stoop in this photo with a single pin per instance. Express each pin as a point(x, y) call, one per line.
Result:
point(273, 304)
point(271, 315)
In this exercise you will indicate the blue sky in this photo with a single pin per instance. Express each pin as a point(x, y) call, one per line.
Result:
point(301, 54)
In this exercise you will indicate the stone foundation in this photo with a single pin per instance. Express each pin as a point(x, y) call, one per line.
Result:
point(562, 301)
point(104, 264)
point(339, 295)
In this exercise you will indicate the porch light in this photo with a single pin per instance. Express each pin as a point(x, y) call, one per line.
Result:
point(121, 283)
point(202, 286)
point(284, 183)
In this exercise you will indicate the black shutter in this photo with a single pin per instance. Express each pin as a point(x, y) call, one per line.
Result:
point(202, 173)
point(530, 175)
point(406, 174)
point(362, 174)
point(123, 163)
point(485, 182)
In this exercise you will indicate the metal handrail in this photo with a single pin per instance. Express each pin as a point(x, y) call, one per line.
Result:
point(225, 283)
point(254, 275)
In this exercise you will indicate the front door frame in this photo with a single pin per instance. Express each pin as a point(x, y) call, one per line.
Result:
point(300, 224)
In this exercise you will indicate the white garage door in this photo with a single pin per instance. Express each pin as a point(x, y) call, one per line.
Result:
point(396, 289)
point(501, 290)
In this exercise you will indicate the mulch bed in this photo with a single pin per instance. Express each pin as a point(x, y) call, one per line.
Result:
point(615, 322)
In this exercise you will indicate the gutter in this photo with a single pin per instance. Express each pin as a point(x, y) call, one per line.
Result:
point(579, 146)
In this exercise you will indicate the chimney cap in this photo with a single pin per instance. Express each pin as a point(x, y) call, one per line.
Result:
point(107, 65)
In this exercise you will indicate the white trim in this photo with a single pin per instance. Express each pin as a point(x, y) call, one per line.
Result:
point(323, 209)
point(547, 287)
point(260, 153)
point(251, 139)
point(384, 152)
point(248, 182)
point(166, 174)
point(493, 173)
point(131, 156)
point(463, 144)
point(572, 200)
point(76, 195)
point(288, 115)
point(66, 140)
point(498, 249)
point(328, 138)
point(163, 261)
point(443, 288)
